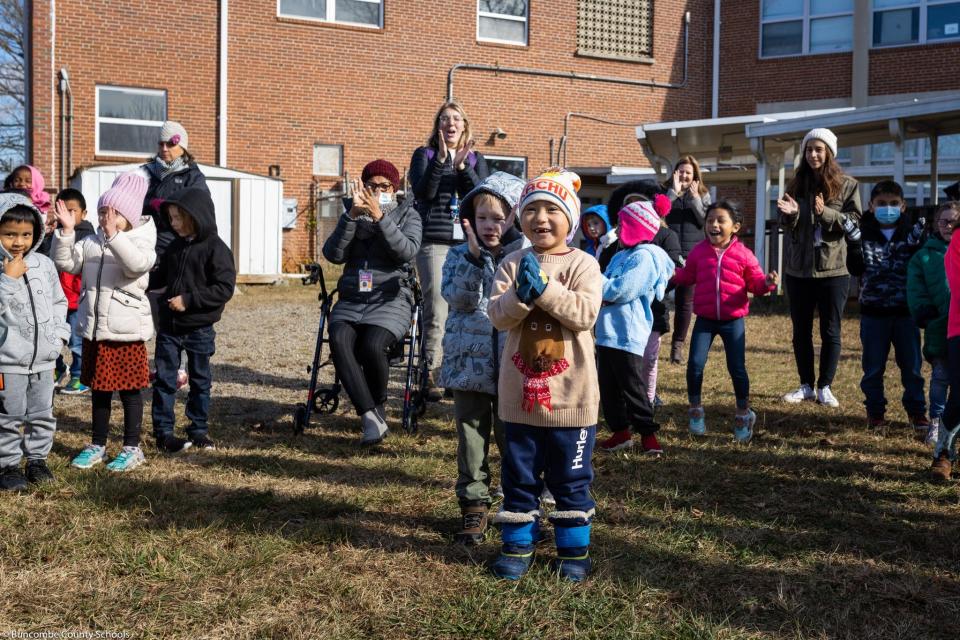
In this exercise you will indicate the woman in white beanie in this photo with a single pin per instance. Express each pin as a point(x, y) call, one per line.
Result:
point(171, 170)
point(817, 206)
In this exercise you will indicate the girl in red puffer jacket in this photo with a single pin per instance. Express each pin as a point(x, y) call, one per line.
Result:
point(723, 270)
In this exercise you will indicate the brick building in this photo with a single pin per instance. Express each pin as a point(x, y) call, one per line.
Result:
point(311, 89)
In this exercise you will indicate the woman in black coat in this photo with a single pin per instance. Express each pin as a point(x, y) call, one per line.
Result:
point(375, 241)
point(690, 198)
point(441, 173)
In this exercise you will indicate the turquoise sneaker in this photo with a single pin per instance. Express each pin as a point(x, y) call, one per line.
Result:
point(92, 454)
point(129, 459)
point(698, 426)
point(74, 388)
point(743, 427)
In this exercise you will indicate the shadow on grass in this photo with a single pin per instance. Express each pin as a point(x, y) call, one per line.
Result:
point(180, 502)
point(825, 598)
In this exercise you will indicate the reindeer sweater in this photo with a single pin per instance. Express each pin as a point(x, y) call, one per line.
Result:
point(548, 372)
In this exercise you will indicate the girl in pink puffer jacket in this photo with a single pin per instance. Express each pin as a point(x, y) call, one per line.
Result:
point(723, 271)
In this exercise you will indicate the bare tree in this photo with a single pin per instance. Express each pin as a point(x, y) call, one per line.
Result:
point(12, 84)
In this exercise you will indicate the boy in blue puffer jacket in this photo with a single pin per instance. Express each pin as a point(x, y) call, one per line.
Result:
point(635, 277)
point(471, 346)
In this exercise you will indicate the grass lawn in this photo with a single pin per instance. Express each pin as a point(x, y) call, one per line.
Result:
point(817, 529)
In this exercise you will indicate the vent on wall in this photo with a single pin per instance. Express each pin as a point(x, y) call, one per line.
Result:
point(615, 29)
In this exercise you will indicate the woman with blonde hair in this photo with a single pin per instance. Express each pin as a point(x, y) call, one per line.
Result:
point(441, 173)
point(690, 198)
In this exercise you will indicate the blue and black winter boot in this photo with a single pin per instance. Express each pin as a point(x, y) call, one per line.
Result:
point(573, 549)
point(517, 552)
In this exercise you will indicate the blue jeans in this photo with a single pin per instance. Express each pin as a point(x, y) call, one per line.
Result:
point(734, 337)
point(939, 383)
point(200, 346)
point(877, 333)
point(559, 456)
point(75, 344)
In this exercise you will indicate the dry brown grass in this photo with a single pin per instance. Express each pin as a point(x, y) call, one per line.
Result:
point(817, 529)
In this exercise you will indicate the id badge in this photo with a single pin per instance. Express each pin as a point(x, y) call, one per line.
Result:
point(457, 230)
point(366, 281)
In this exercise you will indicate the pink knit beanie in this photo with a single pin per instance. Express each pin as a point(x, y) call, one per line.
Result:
point(126, 195)
point(639, 222)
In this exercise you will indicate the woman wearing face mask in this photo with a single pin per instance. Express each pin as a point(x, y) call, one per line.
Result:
point(376, 240)
point(441, 173)
point(819, 207)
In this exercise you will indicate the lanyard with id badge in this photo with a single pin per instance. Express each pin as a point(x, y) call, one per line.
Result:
point(455, 217)
point(366, 279)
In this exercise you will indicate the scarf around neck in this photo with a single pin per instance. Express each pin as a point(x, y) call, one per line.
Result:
point(163, 169)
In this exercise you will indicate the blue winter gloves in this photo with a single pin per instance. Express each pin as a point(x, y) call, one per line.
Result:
point(531, 280)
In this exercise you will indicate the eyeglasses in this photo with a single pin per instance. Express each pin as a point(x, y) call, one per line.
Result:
point(451, 119)
point(167, 144)
point(946, 223)
point(378, 186)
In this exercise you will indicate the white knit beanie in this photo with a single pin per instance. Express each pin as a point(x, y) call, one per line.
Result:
point(174, 132)
point(828, 138)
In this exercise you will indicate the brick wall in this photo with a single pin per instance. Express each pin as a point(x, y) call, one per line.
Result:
point(293, 83)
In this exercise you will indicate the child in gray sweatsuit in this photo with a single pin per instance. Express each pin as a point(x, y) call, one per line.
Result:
point(33, 330)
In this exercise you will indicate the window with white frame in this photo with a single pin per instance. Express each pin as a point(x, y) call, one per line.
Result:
point(900, 22)
point(513, 165)
point(129, 120)
point(366, 13)
point(799, 27)
point(502, 21)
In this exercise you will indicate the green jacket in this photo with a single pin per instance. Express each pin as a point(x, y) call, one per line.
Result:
point(928, 295)
point(803, 260)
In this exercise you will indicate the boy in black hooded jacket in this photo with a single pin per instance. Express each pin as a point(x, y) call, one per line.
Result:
point(199, 275)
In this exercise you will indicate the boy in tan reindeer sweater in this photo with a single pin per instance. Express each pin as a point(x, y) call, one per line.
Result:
point(547, 297)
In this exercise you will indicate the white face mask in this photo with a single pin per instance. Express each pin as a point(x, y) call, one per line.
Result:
point(386, 198)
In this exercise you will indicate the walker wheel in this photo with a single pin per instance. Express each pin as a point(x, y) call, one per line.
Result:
point(326, 401)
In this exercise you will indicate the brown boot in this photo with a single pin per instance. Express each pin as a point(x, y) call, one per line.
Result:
point(940, 471)
point(474, 524)
point(676, 352)
point(433, 392)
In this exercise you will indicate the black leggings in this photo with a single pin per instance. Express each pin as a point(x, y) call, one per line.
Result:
point(360, 357)
point(828, 296)
point(682, 312)
point(132, 417)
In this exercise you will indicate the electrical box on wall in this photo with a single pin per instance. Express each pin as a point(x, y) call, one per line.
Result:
point(289, 213)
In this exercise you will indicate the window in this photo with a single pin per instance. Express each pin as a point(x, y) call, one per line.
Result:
point(129, 120)
point(615, 30)
point(502, 21)
point(799, 27)
point(916, 151)
point(508, 164)
point(327, 159)
point(365, 13)
point(900, 22)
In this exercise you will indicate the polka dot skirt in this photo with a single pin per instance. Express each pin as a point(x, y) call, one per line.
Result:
point(114, 366)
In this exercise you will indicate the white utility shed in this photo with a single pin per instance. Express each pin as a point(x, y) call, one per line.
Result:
point(248, 209)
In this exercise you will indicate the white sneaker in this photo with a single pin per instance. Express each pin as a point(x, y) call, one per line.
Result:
point(826, 397)
point(374, 428)
point(805, 392)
